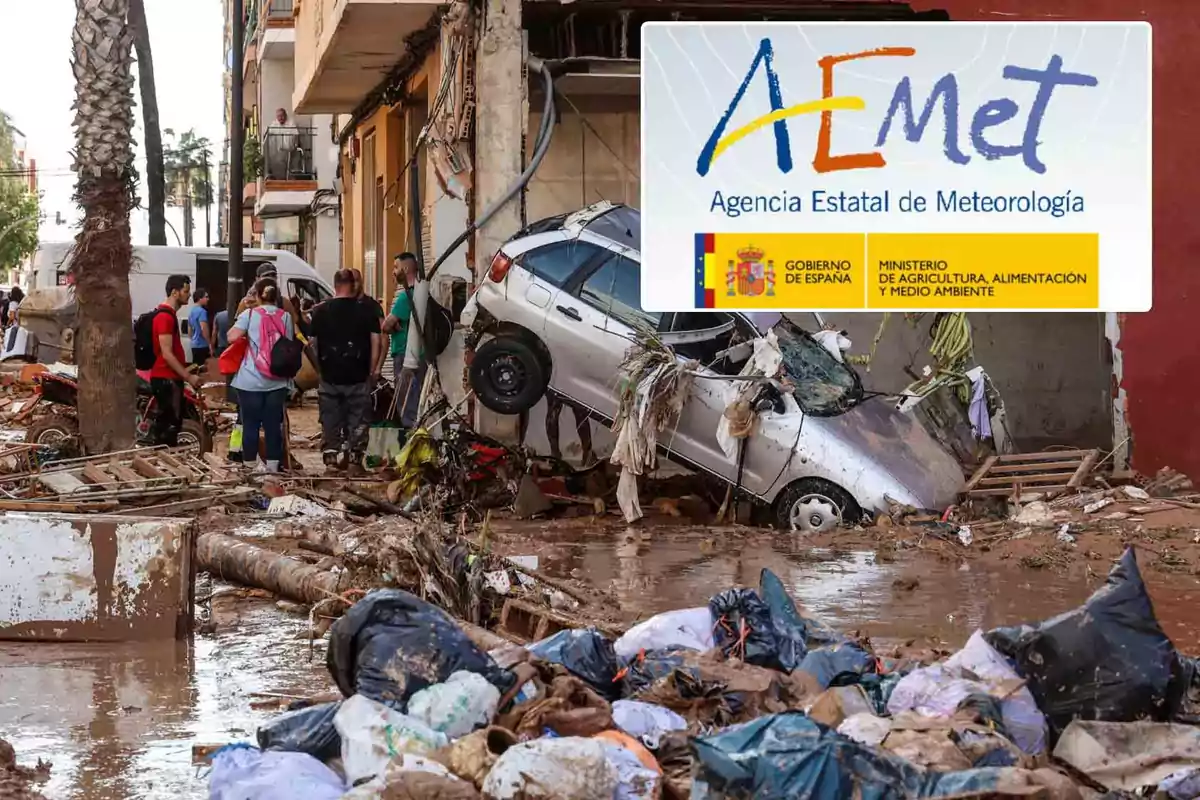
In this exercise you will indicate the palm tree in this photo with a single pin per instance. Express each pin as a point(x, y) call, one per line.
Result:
point(188, 182)
point(153, 135)
point(102, 62)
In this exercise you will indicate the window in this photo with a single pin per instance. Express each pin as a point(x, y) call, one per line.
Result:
point(555, 263)
point(698, 320)
point(615, 288)
point(824, 387)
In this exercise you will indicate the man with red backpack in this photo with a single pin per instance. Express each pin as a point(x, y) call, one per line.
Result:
point(159, 349)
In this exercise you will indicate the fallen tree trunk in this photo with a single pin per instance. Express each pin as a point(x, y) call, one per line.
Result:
point(231, 559)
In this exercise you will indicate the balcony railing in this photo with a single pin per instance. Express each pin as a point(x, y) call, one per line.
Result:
point(288, 154)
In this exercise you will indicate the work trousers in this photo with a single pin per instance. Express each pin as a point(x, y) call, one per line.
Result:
point(168, 410)
point(343, 411)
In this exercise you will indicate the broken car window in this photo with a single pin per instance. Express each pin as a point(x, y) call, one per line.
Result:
point(823, 386)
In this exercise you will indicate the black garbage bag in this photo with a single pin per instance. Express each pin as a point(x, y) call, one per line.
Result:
point(1106, 660)
point(391, 644)
point(587, 654)
point(745, 629)
point(305, 730)
point(645, 668)
point(879, 689)
point(838, 664)
point(788, 755)
point(790, 625)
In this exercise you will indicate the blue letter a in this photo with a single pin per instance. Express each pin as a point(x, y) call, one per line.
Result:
point(783, 145)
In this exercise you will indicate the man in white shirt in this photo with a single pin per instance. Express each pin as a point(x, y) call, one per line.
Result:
point(285, 147)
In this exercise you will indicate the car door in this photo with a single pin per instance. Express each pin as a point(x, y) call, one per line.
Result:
point(590, 327)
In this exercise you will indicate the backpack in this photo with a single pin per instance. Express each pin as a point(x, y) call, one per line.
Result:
point(277, 356)
point(144, 354)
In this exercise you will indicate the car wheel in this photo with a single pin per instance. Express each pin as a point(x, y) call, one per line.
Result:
point(508, 375)
point(814, 505)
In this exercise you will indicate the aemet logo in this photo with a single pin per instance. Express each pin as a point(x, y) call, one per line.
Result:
point(989, 115)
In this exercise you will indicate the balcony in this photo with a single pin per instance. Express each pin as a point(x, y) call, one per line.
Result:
point(277, 30)
point(289, 177)
point(344, 48)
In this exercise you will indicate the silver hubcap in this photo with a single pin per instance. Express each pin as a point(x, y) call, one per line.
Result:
point(814, 513)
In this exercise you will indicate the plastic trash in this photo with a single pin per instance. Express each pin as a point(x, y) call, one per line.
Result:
point(646, 668)
point(788, 755)
point(646, 721)
point(837, 664)
point(866, 729)
point(789, 622)
point(373, 734)
point(587, 654)
point(744, 629)
point(1182, 785)
point(690, 628)
point(420, 777)
point(463, 703)
point(639, 776)
point(1106, 660)
point(391, 644)
point(566, 768)
point(1023, 720)
point(306, 730)
point(240, 772)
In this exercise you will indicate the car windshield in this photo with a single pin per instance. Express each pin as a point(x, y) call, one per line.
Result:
point(621, 224)
point(824, 387)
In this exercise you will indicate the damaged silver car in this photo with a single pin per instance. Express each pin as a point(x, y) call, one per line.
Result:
point(559, 309)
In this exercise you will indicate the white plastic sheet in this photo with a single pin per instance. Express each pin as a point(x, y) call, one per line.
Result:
point(373, 734)
point(646, 721)
point(246, 772)
point(635, 781)
point(687, 627)
point(568, 768)
point(464, 702)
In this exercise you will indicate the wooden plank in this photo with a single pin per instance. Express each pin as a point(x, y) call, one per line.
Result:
point(170, 464)
point(146, 469)
point(125, 474)
point(1085, 469)
point(979, 473)
point(62, 483)
point(52, 506)
point(1054, 455)
point(93, 474)
point(1049, 477)
point(1005, 491)
point(193, 504)
point(1034, 466)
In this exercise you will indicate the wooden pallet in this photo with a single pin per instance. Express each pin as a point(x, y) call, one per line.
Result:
point(524, 622)
point(143, 472)
point(1049, 473)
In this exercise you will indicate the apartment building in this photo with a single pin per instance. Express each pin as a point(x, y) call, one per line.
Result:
point(289, 200)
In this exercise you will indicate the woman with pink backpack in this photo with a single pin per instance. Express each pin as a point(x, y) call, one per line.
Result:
point(263, 381)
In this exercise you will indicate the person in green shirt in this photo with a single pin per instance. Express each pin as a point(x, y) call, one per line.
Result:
point(404, 269)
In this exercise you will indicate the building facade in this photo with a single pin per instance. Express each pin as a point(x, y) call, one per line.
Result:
point(432, 112)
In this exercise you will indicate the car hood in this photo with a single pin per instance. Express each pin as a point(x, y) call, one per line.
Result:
point(902, 446)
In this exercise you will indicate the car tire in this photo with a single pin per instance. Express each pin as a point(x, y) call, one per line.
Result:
point(509, 375)
point(796, 492)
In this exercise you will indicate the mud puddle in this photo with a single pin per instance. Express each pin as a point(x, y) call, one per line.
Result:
point(892, 599)
point(119, 721)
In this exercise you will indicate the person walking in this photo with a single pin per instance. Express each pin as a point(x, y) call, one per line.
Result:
point(170, 372)
point(348, 343)
point(220, 332)
point(409, 381)
point(261, 395)
point(200, 330)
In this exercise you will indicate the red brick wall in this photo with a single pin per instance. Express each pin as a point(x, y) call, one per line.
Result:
point(1161, 348)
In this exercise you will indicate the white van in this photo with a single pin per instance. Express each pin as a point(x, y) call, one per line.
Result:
point(206, 266)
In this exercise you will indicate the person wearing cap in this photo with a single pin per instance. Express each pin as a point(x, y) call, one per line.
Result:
point(200, 330)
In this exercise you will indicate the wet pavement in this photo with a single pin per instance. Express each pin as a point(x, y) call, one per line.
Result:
point(119, 722)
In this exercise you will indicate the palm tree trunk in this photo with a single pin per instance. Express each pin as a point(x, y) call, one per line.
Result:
point(155, 181)
point(102, 62)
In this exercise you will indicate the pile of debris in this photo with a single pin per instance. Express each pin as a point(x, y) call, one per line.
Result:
point(17, 782)
point(748, 696)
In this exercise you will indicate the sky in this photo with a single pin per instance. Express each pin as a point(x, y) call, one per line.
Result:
point(37, 90)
